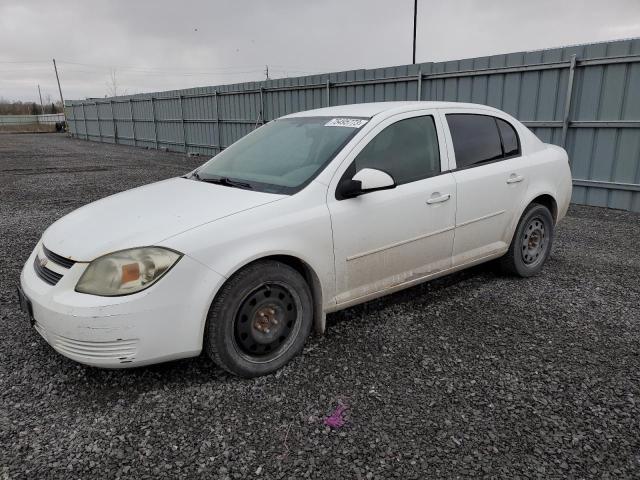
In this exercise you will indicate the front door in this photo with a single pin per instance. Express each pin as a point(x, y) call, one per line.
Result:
point(388, 238)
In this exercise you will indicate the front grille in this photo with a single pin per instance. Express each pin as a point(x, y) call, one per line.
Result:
point(59, 259)
point(45, 274)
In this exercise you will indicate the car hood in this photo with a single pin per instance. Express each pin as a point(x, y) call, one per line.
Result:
point(146, 216)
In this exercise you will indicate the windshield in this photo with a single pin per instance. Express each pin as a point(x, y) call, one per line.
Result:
point(281, 156)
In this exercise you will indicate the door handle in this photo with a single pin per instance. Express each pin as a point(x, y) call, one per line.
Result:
point(437, 198)
point(515, 178)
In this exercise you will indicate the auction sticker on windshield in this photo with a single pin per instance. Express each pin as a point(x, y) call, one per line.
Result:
point(346, 122)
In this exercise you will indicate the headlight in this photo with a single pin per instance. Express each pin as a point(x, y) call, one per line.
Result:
point(126, 271)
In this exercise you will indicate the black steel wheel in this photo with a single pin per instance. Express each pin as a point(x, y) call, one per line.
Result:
point(534, 241)
point(266, 320)
point(259, 320)
point(531, 243)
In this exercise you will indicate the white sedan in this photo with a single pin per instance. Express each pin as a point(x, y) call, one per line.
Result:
point(309, 214)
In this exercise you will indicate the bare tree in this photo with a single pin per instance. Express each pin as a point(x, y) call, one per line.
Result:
point(113, 87)
point(112, 84)
point(8, 107)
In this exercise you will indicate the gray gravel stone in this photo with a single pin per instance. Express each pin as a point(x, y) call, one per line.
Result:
point(473, 375)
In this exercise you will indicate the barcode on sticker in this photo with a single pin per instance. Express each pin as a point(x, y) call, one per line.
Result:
point(345, 122)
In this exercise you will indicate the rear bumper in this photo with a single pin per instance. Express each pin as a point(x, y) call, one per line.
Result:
point(162, 323)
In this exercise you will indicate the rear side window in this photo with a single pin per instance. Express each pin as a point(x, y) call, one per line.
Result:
point(481, 138)
point(509, 136)
point(475, 139)
point(407, 150)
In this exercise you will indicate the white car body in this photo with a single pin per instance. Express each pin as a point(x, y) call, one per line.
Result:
point(352, 250)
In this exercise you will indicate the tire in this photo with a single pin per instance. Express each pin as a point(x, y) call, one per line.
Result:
point(259, 320)
point(531, 243)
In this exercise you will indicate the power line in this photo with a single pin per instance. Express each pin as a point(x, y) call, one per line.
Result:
point(168, 70)
point(154, 69)
point(149, 73)
point(165, 67)
point(24, 62)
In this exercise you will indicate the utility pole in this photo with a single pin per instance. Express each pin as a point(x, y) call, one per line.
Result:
point(41, 105)
point(266, 71)
point(58, 79)
point(415, 16)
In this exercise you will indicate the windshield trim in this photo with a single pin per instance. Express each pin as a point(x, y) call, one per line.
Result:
point(285, 190)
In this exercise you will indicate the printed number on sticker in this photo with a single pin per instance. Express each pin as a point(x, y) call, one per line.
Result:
point(346, 122)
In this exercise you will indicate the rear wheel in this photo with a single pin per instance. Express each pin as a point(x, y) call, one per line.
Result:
point(259, 320)
point(531, 243)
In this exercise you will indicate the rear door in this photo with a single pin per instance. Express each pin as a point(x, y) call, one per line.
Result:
point(389, 238)
point(491, 179)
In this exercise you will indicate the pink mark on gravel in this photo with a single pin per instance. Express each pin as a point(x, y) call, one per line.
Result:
point(336, 419)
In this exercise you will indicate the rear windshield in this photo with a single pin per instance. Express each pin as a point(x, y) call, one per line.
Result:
point(283, 155)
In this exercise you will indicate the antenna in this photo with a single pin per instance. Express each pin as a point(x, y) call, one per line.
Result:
point(266, 71)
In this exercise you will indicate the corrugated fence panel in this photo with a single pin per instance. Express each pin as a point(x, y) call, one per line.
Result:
point(601, 132)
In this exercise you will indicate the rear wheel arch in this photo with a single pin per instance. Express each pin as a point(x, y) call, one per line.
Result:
point(548, 201)
point(538, 212)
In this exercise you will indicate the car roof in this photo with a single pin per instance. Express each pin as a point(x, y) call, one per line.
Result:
point(370, 109)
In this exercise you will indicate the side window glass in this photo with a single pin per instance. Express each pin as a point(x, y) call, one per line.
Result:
point(475, 139)
point(407, 150)
point(509, 138)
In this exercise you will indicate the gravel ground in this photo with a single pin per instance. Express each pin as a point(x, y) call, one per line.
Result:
point(467, 376)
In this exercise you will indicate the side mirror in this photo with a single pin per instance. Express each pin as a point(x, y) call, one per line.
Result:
point(365, 181)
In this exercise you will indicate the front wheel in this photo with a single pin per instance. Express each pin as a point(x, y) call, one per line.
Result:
point(531, 243)
point(259, 320)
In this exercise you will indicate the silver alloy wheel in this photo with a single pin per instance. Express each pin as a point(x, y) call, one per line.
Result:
point(534, 242)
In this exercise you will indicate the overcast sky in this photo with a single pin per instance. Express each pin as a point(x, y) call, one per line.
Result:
point(161, 44)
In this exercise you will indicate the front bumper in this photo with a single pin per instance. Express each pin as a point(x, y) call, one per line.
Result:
point(164, 322)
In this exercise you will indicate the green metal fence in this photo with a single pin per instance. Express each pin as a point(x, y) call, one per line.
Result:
point(585, 98)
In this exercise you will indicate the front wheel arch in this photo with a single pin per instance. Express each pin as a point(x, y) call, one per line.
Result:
point(308, 273)
point(313, 281)
point(270, 342)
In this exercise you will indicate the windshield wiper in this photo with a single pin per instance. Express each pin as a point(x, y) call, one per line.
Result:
point(226, 181)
